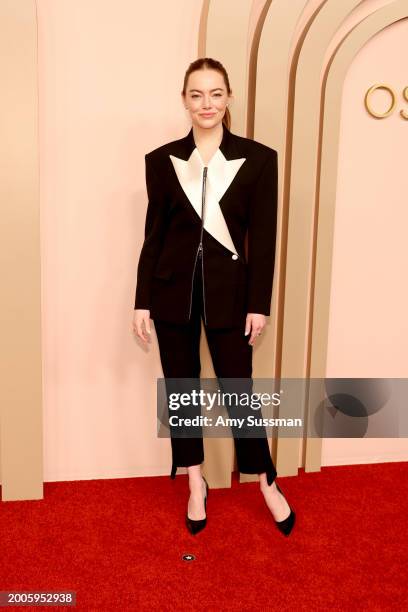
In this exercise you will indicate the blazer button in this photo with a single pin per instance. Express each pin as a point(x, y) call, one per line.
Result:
point(234, 256)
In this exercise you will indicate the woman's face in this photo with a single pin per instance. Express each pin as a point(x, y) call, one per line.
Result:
point(206, 97)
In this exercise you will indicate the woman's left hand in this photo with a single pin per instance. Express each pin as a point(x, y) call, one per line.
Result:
point(254, 323)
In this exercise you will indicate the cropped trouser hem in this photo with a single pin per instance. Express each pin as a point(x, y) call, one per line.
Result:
point(270, 473)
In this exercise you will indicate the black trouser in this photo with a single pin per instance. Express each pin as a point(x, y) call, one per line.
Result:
point(231, 355)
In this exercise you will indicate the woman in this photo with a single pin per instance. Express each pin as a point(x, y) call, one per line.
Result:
point(206, 192)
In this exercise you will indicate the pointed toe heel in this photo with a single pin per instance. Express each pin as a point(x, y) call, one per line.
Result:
point(287, 524)
point(195, 526)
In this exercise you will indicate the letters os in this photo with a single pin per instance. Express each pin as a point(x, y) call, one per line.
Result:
point(393, 102)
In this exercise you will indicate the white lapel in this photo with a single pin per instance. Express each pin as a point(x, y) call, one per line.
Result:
point(220, 175)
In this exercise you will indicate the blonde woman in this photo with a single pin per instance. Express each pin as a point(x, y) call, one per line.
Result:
point(206, 192)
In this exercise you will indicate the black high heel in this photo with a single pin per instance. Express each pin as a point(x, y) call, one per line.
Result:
point(286, 525)
point(196, 526)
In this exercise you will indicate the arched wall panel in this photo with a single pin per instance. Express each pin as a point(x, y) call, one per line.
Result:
point(300, 153)
point(21, 442)
point(328, 171)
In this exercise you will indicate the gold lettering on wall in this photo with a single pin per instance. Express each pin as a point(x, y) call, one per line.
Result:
point(403, 113)
point(393, 101)
point(367, 101)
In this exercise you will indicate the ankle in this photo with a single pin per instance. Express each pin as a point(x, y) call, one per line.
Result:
point(196, 483)
point(265, 488)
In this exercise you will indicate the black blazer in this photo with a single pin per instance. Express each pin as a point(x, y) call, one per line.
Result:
point(238, 190)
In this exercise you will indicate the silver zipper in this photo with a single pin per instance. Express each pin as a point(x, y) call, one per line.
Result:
point(202, 277)
point(200, 247)
point(192, 284)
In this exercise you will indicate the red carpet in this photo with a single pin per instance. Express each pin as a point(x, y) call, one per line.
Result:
point(118, 544)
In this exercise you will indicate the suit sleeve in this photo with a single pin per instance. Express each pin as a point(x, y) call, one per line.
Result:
point(262, 237)
point(153, 236)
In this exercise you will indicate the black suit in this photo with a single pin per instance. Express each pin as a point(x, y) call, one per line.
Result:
point(240, 191)
point(189, 270)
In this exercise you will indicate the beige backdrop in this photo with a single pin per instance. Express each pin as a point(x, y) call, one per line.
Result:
point(80, 396)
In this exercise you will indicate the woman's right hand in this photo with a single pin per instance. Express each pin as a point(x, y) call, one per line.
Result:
point(142, 316)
